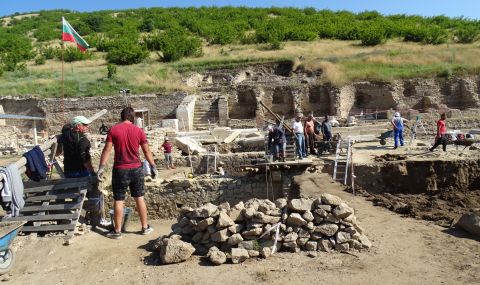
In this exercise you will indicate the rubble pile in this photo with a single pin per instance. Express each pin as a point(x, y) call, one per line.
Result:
point(257, 228)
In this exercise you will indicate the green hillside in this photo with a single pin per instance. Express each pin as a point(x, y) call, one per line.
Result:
point(146, 50)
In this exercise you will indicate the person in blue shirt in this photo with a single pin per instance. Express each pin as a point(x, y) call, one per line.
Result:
point(398, 126)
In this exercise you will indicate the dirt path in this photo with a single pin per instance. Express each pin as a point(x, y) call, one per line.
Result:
point(405, 251)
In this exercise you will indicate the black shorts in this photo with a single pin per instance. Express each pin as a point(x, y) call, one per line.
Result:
point(125, 178)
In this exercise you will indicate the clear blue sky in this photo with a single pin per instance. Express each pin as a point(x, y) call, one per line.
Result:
point(451, 8)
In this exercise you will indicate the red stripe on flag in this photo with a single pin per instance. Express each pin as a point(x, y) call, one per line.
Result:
point(82, 48)
point(68, 37)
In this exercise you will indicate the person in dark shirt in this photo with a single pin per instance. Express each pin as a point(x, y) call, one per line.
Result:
point(276, 142)
point(76, 148)
point(78, 163)
point(327, 133)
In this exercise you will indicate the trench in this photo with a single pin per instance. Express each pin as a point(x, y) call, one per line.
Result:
point(435, 190)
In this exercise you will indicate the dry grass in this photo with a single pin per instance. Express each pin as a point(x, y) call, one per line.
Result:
point(340, 62)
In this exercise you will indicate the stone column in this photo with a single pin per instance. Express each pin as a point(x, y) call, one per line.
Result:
point(185, 112)
point(223, 111)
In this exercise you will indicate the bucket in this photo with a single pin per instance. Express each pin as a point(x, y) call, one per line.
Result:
point(269, 158)
point(126, 214)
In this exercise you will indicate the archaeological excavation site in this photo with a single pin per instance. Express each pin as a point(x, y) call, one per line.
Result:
point(246, 184)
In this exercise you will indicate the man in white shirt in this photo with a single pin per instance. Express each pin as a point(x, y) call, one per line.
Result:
point(299, 137)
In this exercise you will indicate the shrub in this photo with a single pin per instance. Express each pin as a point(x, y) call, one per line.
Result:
point(48, 52)
point(274, 45)
point(101, 43)
point(248, 38)
point(176, 44)
point(18, 47)
point(125, 52)
point(415, 34)
point(466, 35)
point(373, 35)
point(270, 32)
point(46, 33)
point(40, 59)
point(12, 62)
point(301, 34)
point(435, 36)
point(431, 35)
point(111, 70)
point(73, 53)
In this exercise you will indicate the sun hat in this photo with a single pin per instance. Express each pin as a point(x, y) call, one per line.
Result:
point(397, 114)
point(80, 120)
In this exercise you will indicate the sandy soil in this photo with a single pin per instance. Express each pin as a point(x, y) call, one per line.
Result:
point(405, 251)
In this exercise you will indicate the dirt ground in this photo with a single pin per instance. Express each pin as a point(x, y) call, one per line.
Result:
point(443, 207)
point(405, 251)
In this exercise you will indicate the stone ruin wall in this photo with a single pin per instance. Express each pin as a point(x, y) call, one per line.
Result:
point(165, 199)
point(161, 106)
point(283, 90)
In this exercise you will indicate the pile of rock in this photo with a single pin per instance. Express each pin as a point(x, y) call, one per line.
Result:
point(250, 229)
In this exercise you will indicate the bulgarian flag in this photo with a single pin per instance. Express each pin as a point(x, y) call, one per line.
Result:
point(70, 35)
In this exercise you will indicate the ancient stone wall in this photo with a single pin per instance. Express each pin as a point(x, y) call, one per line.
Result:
point(166, 200)
point(282, 89)
point(161, 107)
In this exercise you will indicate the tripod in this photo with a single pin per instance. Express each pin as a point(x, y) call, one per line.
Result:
point(418, 122)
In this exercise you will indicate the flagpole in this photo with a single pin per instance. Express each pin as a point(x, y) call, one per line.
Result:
point(63, 91)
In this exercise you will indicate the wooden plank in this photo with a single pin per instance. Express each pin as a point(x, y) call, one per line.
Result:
point(231, 137)
point(59, 169)
point(33, 184)
point(69, 206)
point(49, 228)
point(52, 196)
point(50, 217)
point(56, 187)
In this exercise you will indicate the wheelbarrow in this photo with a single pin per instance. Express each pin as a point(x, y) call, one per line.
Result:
point(384, 136)
point(8, 231)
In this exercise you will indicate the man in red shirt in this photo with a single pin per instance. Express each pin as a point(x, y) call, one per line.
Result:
point(441, 133)
point(126, 138)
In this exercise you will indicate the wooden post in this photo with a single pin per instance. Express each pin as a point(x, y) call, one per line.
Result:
point(276, 117)
point(35, 138)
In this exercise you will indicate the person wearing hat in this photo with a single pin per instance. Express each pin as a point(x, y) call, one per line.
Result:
point(78, 163)
point(76, 148)
point(276, 142)
point(398, 124)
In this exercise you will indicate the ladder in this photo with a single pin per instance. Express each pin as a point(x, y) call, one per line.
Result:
point(215, 158)
point(342, 163)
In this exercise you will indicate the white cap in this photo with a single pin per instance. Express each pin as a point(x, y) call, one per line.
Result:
point(397, 114)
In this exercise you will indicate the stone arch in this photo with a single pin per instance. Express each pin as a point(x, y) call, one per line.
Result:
point(243, 105)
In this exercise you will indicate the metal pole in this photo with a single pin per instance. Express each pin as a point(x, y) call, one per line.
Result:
point(35, 138)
